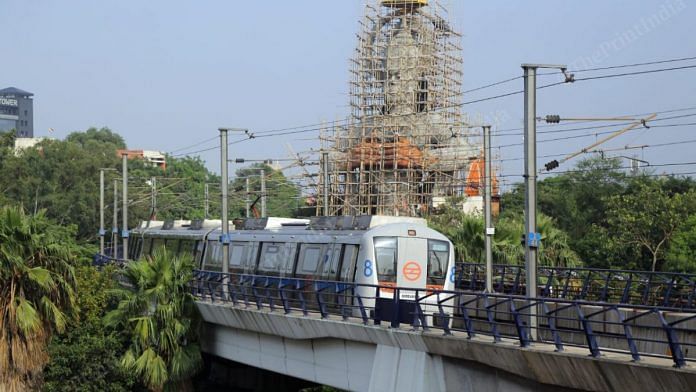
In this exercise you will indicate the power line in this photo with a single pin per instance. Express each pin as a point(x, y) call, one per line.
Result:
point(505, 132)
point(636, 73)
point(303, 129)
point(594, 134)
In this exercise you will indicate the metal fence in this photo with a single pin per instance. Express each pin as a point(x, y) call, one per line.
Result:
point(664, 289)
point(634, 330)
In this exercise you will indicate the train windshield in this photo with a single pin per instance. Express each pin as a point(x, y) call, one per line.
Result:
point(385, 256)
point(438, 257)
point(213, 257)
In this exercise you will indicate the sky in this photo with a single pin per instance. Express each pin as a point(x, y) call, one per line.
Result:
point(167, 74)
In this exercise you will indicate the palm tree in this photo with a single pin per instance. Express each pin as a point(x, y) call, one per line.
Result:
point(38, 293)
point(158, 315)
point(467, 234)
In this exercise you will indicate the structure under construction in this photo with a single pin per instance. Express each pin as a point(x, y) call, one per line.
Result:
point(405, 148)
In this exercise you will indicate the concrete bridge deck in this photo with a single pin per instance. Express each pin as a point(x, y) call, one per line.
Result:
point(349, 355)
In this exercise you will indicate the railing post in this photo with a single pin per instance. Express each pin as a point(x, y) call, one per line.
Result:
point(626, 297)
point(673, 341)
point(522, 332)
point(629, 335)
point(589, 335)
point(395, 309)
point(468, 324)
point(552, 326)
point(491, 318)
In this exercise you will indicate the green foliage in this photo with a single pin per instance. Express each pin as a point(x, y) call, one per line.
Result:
point(582, 200)
point(180, 189)
point(282, 195)
point(38, 296)
point(681, 256)
point(466, 233)
point(86, 357)
point(157, 314)
point(646, 218)
point(63, 177)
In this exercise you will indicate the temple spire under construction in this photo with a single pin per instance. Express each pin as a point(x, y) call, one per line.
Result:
point(405, 148)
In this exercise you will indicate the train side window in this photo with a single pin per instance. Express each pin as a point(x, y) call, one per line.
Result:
point(238, 252)
point(212, 260)
point(287, 258)
point(385, 256)
point(252, 258)
point(270, 257)
point(309, 259)
point(138, 249)
point(350, 258)
point(438, 257)
point(197, 248)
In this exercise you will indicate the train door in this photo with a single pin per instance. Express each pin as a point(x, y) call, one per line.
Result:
point(411, 266)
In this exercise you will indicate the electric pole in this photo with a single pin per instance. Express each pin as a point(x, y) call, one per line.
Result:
point(114, 228)
point(153, 197)
point(101, 212)
point(247, 202)
point(487, 193)
point(206, 205)
point(124, 231)
point(532, 238)
point(325, 168)
point(225, 219)
point(225, 238)
point(263, 193)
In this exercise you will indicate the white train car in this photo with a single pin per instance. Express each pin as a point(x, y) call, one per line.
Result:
point(380, 253)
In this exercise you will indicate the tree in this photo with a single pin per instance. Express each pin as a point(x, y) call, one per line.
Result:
point(38, 293)
point(282, 195)
point(86, 356)
point(466, 233)
point(681, 256)
point(63, 178)
point(577, 202)
point(158, 316)
point(647, 218)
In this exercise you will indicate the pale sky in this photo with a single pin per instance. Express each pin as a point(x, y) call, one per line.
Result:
point(167, 74)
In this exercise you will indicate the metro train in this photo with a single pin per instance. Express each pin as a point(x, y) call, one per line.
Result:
point(372, 251)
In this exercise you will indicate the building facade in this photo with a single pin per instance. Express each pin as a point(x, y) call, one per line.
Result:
point(17, 111)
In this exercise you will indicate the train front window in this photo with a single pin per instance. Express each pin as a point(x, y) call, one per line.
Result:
point(350, 257)
point(385, 256)
point(438, 257)
point(213, 257)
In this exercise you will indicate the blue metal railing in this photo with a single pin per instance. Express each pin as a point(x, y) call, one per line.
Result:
point(665, 289)
point(633, 330)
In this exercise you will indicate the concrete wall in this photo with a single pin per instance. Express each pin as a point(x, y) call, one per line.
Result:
point(349, 355)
